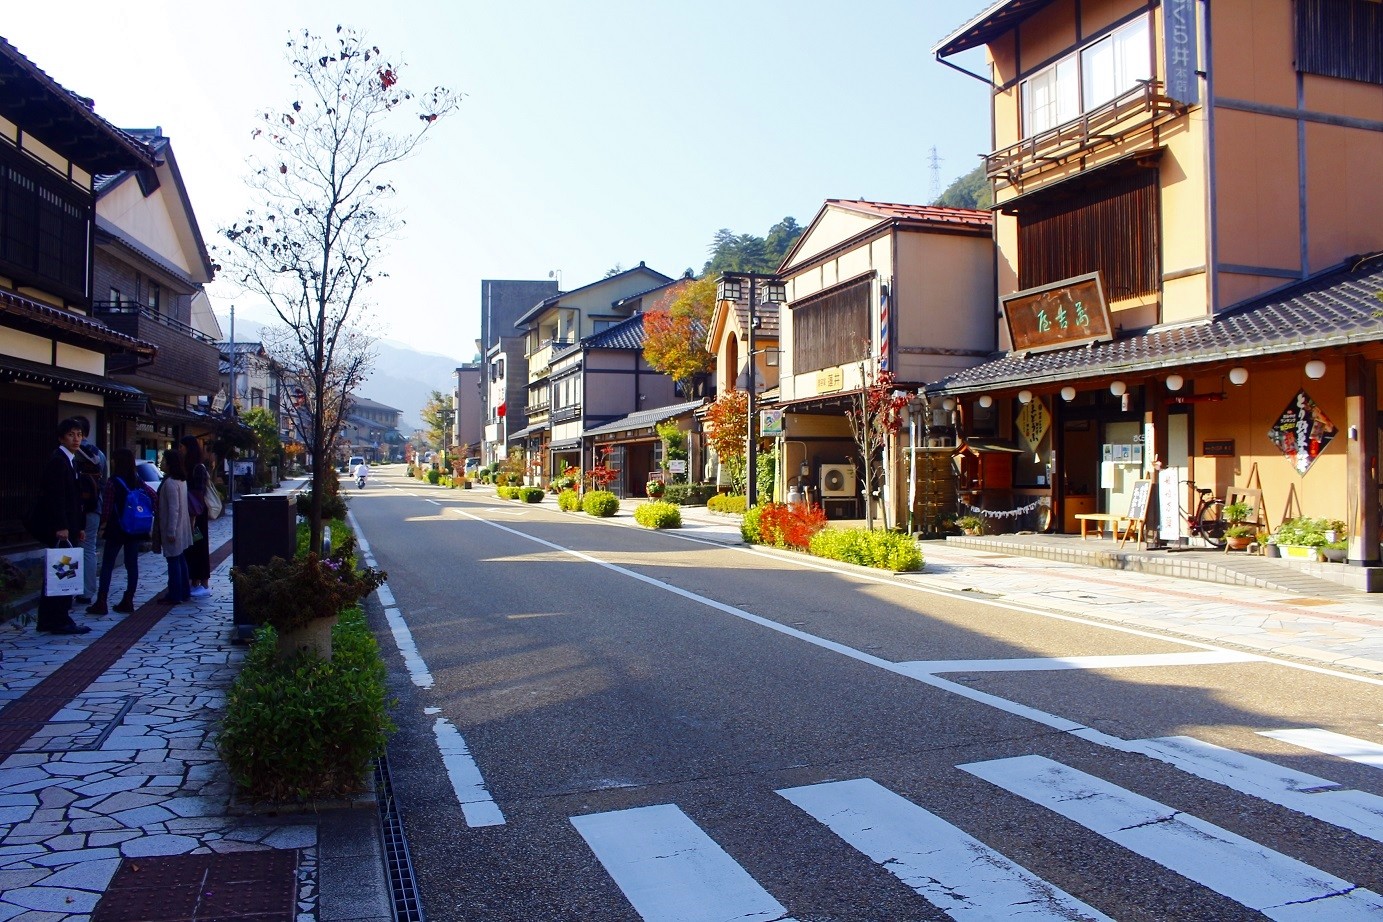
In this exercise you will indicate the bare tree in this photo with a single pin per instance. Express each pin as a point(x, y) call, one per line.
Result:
point(875, 415)
point(313, 244)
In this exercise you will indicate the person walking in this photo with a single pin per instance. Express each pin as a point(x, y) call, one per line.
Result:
point(198, 482)
point(90, 462)
point(61, 520)
point(123, 478)
point(173, 524)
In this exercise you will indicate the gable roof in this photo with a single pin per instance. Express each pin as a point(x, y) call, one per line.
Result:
point(1339, 307)
point(644, 418)
point(183, 217)
point(881, 215)
point(983, 27)
point(61, 119)
point(544, 304)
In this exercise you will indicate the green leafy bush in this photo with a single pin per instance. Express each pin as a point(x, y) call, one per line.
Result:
point(289, 593)
point(530, 494)
point(336, 529)
point(333, 506)
point(569, 501)
point(1307, 531)
point(658, 515)
point(433, 476)
point(726, 502)
point(601, 503)
point(689, 494)
point(887, 550)
point(749, 525)
point(307, 727)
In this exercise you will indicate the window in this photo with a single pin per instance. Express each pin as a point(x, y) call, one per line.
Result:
point(832, 328)
point(600, 326)
point(43, 228)
point(115, 297)
point(256, 396)
point(1101, 71)
point(155, 295)
point(1341, 38)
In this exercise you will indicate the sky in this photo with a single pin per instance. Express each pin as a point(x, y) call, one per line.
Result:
point(592, 134)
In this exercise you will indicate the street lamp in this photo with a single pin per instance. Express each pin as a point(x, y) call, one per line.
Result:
point(731, 288)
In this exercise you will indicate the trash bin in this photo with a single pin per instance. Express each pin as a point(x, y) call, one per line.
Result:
point(265, 527)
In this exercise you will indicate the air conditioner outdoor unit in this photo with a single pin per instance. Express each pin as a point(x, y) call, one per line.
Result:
point(837, 480)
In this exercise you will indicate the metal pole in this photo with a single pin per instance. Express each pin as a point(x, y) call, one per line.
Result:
point(751, 454)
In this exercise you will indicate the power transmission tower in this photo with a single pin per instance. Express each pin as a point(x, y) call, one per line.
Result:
point(934, 164)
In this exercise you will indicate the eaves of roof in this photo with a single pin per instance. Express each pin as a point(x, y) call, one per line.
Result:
point(546, 303)
point(65, 379)
point(985, 26)
point(110, 231)
point(64, 325)
point(627, 334)
point(1340, 307)
point(644, 419)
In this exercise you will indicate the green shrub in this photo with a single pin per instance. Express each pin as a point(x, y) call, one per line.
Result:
point(307, 727)
point(600, 503)
point(726, 502)
point(1304, 530)
point(689, 494)
point(569, 501)
point(658, 515)
point(433, 476)
point(530, 494)
point(887, 550)
point(333, 506)
point(336, 529)
point(289, 593)
point(749, 525)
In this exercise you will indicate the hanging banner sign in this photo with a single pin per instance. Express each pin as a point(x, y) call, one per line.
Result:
point(1302, 432)
point(1033, 422)
point(771, 422)
point(1179, 40)
point(1068, 313)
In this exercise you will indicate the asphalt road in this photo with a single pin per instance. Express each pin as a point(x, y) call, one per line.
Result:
point(601, 722)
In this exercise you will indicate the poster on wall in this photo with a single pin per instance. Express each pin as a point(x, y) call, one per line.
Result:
point(1302, 432)
point(1033, 422)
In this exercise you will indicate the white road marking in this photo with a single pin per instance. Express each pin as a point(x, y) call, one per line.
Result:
point(953, 871)
point(1275, 884)
point(476, 803)
point(412, 659)
point(671, 871)
point(1365, 752)
point(1051, 663)
point(1325, 800)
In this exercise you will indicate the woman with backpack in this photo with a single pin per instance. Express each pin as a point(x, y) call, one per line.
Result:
point(116, 526)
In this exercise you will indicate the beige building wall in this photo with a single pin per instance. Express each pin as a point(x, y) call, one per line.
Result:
point(149, 220)
point(945, 302)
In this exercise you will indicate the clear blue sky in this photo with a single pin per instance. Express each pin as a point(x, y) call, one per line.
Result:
point(592, 133)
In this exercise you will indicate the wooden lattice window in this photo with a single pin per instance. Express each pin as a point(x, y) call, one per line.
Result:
point(1341, 38)
point(831, 328)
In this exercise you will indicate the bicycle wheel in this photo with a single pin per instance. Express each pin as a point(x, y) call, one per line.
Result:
point(1211, 524)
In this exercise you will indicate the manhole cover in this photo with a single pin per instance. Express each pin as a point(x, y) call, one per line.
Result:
point(256, 886)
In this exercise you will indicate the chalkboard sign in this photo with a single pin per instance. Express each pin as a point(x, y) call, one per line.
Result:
point(1138, 500)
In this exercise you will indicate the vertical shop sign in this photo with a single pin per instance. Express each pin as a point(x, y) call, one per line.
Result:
point(1302, 432)
point(1179, 40)
point(1032, 422)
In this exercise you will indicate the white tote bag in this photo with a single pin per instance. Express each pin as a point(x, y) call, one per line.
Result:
point(62, 571)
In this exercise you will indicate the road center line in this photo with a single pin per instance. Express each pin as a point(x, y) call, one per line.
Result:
point(1053, 663)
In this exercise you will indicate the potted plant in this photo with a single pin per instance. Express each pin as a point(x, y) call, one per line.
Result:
point(1302, 538)
point(654, 489)
point(1238, 536)
point(1335, 551)
point(970, 524)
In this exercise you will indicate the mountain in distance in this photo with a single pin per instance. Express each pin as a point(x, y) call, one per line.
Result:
point(402, 377)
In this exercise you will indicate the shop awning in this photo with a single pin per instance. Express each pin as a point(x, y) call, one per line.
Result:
point(1339, 307)
point(644, 419)
point(64, 379)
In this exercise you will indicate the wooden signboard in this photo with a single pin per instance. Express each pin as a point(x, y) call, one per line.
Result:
point(1137, 510)
point(1068, 313)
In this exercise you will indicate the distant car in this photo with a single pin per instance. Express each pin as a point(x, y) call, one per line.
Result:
point(149, 473)
point(355, 459)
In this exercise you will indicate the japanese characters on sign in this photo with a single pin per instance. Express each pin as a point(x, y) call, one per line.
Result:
point(1071, 312)
point(1179, 39)
point(830, 380)
point(1033, 422)
point(1302, 432)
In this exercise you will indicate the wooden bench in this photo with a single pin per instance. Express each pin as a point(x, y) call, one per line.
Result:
point(1116, 523)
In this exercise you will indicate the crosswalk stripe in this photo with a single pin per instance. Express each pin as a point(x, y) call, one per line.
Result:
point(671, 871)
point(1275, 884)
point(1364, 752)
point(1357, 811)
point(953, 871)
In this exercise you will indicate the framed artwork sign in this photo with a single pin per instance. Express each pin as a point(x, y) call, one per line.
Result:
point(1068, 313)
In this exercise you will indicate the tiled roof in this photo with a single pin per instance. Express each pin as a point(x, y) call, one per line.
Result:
point(644, 418)
point(627, 334)
point(1342, 306)
point(930, 215)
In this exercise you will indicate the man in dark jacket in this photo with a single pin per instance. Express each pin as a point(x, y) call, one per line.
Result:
point(60, 504)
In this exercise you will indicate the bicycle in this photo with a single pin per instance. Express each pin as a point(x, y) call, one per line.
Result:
point(1208, 519)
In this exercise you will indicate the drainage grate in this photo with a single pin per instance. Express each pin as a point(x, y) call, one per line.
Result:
point(407, 906)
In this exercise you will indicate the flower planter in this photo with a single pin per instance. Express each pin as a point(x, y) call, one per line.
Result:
point(1271, 550)
point(1239, 542)
point(1334, 555)
point(1300, 551)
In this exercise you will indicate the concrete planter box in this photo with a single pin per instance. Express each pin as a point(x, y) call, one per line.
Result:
point(1300, 551)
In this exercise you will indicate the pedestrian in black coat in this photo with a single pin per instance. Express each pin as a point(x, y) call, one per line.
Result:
point(63, 520)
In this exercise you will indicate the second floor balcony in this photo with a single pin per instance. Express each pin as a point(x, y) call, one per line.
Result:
point(1126, 121)
point(540, 359)
point(188, 360)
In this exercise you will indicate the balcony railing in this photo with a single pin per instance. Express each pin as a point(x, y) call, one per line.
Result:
point(126, 308)
point(1140, 109)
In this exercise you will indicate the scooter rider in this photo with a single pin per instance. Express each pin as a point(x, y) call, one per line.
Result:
point(361, 472)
